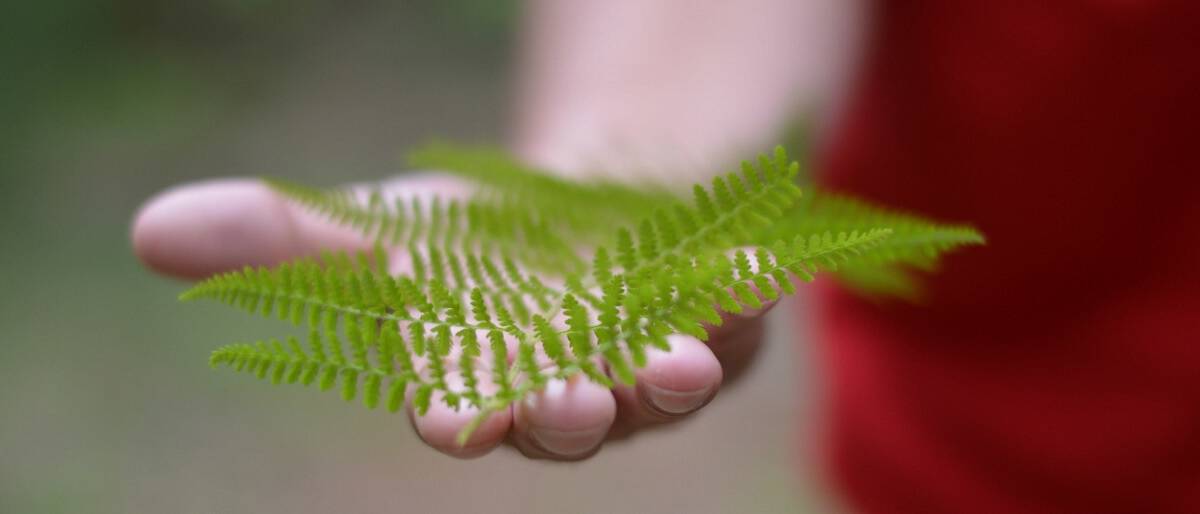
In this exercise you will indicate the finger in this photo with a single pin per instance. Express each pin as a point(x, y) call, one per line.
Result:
point(200, 229)
point(567, 420)
point(440, 426)
point(737, 339)
point(671, 385)
point(732, 323)
point(197, 230)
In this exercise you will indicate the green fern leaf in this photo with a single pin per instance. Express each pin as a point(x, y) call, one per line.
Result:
point(511, 264)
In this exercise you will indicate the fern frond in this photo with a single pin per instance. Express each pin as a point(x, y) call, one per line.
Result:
point(270, 360)
point(730, 282)
point(583, 278)
point(915, 240)
point(476, 223)
point(305, 291)
point(503, 179)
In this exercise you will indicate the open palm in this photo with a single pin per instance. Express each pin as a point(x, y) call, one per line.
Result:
point(197, 230)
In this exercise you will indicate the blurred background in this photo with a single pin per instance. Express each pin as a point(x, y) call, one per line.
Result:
point(108, 403)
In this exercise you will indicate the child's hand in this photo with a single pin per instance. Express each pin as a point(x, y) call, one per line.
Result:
point(197, 230)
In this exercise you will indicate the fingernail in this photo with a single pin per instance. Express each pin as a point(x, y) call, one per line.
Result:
point(675, 402)
point(567, 443)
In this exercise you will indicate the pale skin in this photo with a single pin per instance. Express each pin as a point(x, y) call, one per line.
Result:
point(596, 76)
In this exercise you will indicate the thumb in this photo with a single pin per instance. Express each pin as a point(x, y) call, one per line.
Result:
point(196, 230)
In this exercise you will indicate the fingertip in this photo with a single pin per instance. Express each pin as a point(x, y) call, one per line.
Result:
point(440, 426)
point(682, 380)
point(567, 419)
point(732, 323)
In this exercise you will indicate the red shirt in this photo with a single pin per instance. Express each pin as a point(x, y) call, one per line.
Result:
point(1058, 368)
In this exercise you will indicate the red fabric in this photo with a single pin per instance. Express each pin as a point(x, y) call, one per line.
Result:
point(1058, 368)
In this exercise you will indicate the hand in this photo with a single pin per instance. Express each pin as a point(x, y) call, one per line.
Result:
point(201, 229)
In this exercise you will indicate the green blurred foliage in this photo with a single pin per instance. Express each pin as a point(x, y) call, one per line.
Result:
point(102, 375)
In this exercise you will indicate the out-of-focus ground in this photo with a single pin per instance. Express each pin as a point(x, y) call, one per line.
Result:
point(106, 400)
